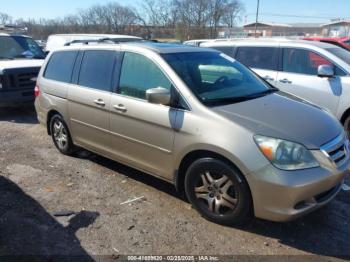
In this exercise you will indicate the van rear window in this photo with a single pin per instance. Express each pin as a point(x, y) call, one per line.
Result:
point(60, 66)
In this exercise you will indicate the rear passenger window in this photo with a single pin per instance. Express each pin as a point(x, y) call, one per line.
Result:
point(60, 66)
point(97, 69)
point(139, 74)
point(258, 57)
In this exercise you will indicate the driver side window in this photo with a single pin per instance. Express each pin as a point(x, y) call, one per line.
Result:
point(306, 62)
point(138, 74)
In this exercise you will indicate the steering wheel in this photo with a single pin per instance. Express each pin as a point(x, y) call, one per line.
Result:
point(221, 80)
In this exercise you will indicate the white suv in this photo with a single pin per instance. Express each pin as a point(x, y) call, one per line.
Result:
point(317, 72)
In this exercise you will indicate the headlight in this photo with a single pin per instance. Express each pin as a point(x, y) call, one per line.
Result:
point(284, 154)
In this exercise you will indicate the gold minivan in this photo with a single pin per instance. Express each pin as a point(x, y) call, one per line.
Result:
point(198, 119)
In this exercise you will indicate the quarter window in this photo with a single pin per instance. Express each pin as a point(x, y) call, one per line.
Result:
point(60, 66)
point(258, 57)
point(139, 74)
point(97, 69)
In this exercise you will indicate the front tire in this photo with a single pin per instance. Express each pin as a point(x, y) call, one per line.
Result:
point(218, 192)
point(61, 136)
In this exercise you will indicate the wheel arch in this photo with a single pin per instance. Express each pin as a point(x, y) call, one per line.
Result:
point(50, 114)
point(193, 155)
point(345, 115)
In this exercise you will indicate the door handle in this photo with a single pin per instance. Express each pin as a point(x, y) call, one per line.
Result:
point(268, 78)
point(120, 108)
point(285, 81)
point(99, 102)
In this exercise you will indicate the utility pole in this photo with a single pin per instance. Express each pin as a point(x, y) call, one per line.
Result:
point(257, 18)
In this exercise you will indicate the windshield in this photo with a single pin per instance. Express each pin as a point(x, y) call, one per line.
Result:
point(347, 42)
point(14, 47)
point(341, 53)
point(216, 78)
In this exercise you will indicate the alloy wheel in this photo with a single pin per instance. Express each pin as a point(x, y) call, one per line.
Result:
point(217, 192)
point(60, 134)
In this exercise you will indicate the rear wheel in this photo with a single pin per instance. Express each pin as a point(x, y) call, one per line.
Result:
point(61, 136)
point(218, 192)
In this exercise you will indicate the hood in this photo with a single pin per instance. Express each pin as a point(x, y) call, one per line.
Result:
point(281, 116)
point(20, 63)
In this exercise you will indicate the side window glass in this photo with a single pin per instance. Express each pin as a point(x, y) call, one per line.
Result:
point(225, 49)
point(258, 57)
point(97, 69)
point(305, 62)
point(138, 74)
point(60, 66)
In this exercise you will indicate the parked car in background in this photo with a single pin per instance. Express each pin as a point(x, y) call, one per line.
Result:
point(59, 40)
point(41, 43)
point(197, 42)
point(343, 42)
point(314, 71)
point(20, 62)
point(198, 119)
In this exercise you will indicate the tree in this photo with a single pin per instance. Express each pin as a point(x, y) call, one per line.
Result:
point(185, 19)
point(233, 12)
point(5, 19)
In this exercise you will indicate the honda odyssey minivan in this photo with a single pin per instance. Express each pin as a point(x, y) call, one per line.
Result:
point(198, 119)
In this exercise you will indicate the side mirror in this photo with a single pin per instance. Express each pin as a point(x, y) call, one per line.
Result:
point(325, 71)
point(158, 95)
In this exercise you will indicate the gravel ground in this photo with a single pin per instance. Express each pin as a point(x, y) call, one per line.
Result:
point(36, 182)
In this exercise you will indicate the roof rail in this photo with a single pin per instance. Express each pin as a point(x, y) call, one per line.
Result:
point(105, 40)
point(85, 41)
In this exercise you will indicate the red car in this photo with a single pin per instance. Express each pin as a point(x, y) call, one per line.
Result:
point(343, 42)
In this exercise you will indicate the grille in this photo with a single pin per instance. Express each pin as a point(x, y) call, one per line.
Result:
point(336, 150)
point(19, 78)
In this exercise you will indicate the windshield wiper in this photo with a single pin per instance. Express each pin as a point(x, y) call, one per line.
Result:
point(232, 100)
point(29, 57)
point(263, 93)
point(6, 57)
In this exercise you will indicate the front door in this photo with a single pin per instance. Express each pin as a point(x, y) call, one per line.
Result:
point(299, 77)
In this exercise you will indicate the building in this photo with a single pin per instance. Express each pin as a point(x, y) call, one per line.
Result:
point(337, 28)
point(266, 29)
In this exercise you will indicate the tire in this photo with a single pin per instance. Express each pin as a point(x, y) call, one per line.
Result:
point(61, 136)
point(218, 192)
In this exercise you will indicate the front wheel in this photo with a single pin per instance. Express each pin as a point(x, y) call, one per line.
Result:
point(61, 136)
point(218, 192)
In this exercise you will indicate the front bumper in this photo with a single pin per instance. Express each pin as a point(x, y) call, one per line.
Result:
point(285, 195)
point(15, 97)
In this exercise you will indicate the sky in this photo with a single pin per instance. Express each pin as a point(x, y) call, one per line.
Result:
point(279, 11)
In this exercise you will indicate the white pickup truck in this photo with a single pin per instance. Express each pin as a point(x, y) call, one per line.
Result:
point(20, 62)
